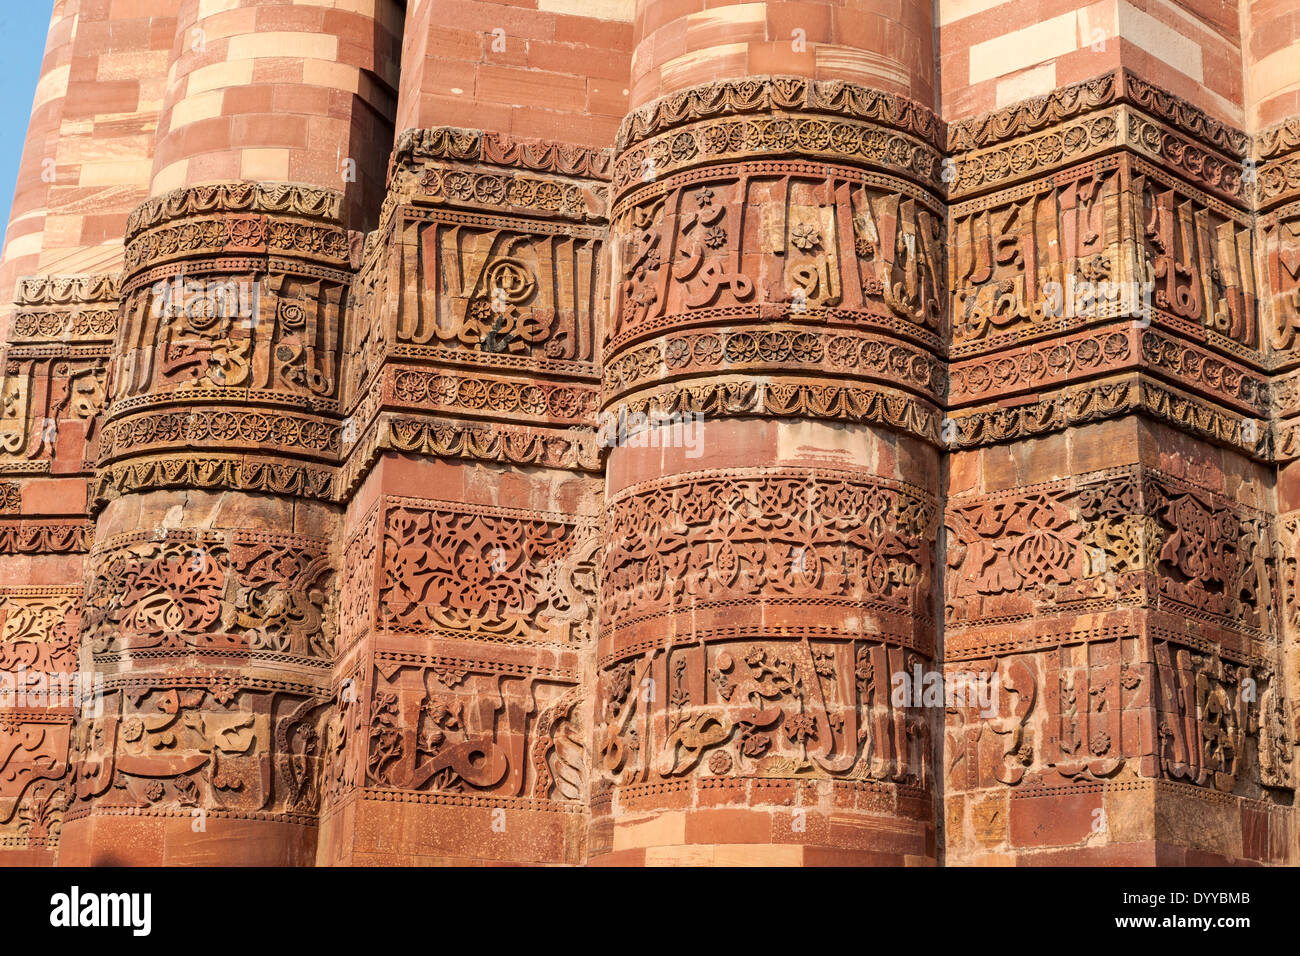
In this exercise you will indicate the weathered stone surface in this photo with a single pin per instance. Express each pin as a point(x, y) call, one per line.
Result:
point(675, 433)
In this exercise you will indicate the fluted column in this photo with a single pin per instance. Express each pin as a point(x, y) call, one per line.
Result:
point(268, 92)
point(1271, 61)
point(1111, 549)
point(473, 477)
point(24, 237)
point(778, 307)
point(211, 591)
point(85, 166)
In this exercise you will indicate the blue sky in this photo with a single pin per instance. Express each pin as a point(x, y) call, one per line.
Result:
point(22, 44)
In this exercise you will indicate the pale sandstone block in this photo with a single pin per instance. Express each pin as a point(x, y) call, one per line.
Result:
point(1025, 47)
point(372, 92)
point(862, 62)
point(952, 10)
point(153, 92)
point(195, 108)
point(598, 9)
point(993, 859)
point(679, 856)
point(208, 7)
point(666, 829)
point(219, 75)
point(264, 164)
point(807, 442)
point(101, 258)
point(757, 854)
point(1160, 40)
point(1276, 72)
point(387, 14)
point(61, 231)
point(335, 76)
point(116, 174)
point(28, 245)
point(1033, 82)
point(1098, 23)
point(51, 86)
point(169, 177)
point(307, 46)
point(692, 61)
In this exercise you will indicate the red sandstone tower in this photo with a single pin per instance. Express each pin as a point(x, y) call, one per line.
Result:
point(778, 273)
point(613, 432)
